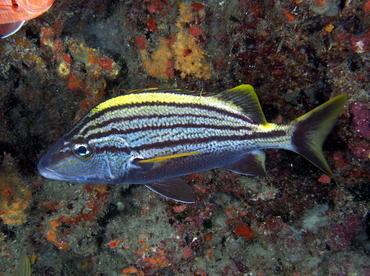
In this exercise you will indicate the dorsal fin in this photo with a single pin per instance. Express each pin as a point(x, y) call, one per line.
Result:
point(172, 91)
point(159, 90)
point(245, 98)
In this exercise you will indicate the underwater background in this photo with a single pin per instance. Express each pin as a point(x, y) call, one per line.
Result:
point(296, 221)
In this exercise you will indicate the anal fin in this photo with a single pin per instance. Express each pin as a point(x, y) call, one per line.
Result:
point(253, 163)
point(173, 188)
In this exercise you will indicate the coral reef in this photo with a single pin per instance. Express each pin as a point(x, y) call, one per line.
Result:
point(295, 221)
point(14, 194)
point(181, 52)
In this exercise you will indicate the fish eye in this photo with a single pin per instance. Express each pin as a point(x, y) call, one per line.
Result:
point(82, 150)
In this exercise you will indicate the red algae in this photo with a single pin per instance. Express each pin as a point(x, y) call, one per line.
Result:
point(195, 31)
point(187, 252)
point(244, 231)
point(140, 42)
point(155, 6)
point(324, 179)
point(196, 7)
point(151, 25)
point(179, 208)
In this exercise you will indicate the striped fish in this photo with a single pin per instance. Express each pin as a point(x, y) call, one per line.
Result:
point(154, 136)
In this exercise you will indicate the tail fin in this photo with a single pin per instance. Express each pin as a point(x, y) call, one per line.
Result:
point(311, 130)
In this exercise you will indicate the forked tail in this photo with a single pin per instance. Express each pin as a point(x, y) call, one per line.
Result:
point(311, 130)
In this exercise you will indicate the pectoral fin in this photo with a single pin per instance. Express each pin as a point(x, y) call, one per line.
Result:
point(251, 163)
point(164, 158)
point(173, 188)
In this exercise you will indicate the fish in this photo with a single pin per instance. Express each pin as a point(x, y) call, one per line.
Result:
point(14, 13)
point(154, 136)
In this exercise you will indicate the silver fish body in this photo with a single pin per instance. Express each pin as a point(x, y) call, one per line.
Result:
point(153, 137)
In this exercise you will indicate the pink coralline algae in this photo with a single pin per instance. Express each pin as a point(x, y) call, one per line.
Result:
point(344, 232)
point(187, 252)
point(360, 148)
point(361, 119)
point(342, 264)
point(361, 127)
point(360, 44)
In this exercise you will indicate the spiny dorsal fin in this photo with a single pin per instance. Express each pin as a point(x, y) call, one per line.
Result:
point(245, 98)
point(158, 90)
point(172, 91)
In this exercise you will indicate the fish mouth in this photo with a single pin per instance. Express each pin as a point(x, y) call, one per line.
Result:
point(49, 173)
point(47, 162)
point(45, 166)
point(44, 169)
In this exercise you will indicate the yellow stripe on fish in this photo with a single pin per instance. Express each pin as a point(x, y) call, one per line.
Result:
point(164, 158)
point(154, 136)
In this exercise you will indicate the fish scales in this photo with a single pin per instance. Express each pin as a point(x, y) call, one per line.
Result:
point(155, 117)
point(153, 137)
point(147, 112)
